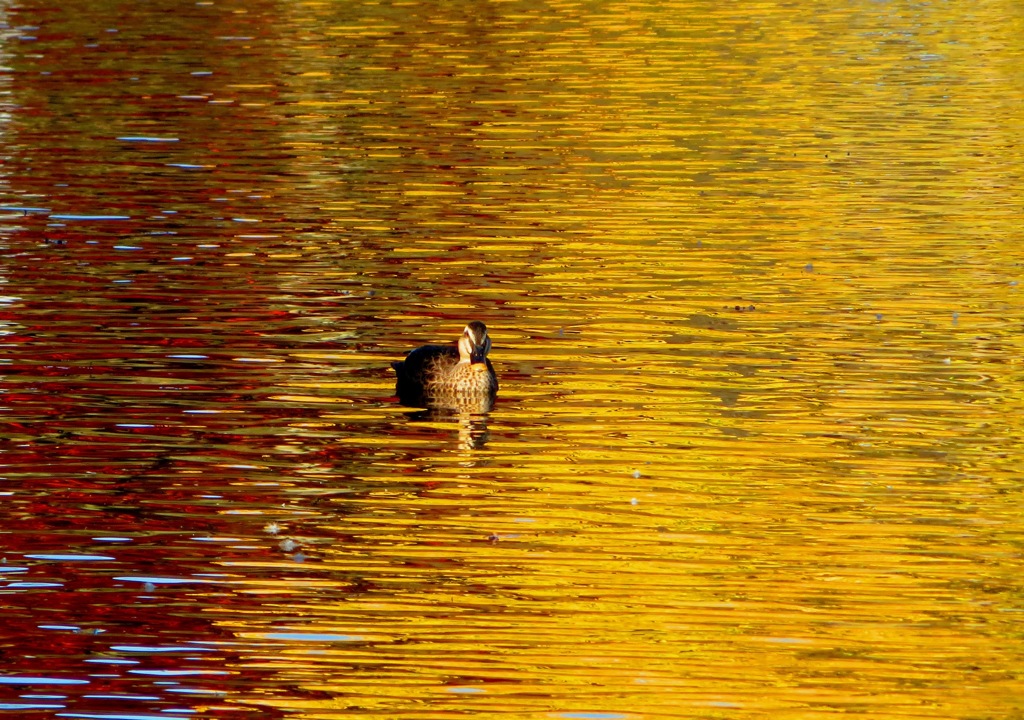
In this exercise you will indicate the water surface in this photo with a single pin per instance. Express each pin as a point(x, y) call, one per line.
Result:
point(753, 284)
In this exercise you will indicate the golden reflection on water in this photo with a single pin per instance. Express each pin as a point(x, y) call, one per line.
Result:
point(751, 275)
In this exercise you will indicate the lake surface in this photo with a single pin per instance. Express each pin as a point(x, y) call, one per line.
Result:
point(752, 276)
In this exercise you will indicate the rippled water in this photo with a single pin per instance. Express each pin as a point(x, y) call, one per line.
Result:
point(751, 273)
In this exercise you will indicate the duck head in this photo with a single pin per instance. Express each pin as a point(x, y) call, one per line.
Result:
point(474, 343)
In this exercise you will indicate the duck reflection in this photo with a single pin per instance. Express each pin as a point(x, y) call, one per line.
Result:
point(473, 432)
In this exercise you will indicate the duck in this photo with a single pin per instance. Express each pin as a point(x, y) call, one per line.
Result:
point(455, 377)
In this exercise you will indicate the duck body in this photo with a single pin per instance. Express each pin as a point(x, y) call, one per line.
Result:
point(449, 377)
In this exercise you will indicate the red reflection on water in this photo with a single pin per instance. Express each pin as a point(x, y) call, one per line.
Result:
point(107, 435)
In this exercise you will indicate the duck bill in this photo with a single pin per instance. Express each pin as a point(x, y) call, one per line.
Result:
point(478, 354)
